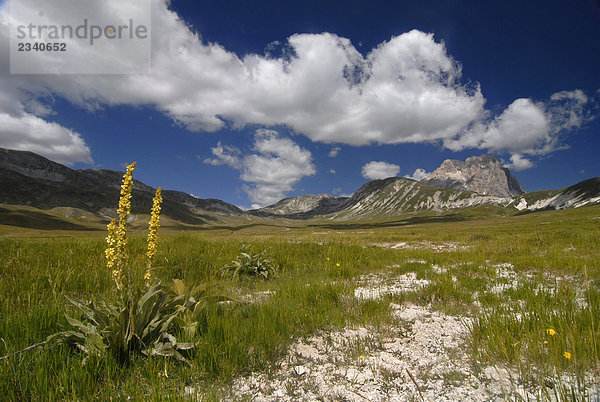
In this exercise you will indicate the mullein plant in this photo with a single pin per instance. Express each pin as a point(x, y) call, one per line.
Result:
point(253, 265)
point(153, 235)
point(143, 320)
point(116, 252)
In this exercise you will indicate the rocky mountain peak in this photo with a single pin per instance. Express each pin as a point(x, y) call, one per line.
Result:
point(480, 174)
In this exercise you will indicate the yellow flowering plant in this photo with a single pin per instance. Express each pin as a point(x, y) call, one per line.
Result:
point(153, 234)
point(111, 241)
point(143, 320)
point(120, 248)
point(116, 250)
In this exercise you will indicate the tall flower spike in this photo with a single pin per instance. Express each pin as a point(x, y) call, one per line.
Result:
point(153, 234)
point(110, 252)
point(121, 229)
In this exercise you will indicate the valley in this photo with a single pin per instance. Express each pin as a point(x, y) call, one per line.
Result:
point(402, 291)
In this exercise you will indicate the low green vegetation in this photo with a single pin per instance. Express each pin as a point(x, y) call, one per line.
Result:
point(249, 264)
point(527, 286)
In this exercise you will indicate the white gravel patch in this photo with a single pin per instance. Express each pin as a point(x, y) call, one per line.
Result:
point(357, 364)
point(422, 356)
point(436, 247)
point(257, 297)
point(375, 289)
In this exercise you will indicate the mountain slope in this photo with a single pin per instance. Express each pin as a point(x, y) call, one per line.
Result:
point(307, 204)
point(480, 174)
point(30, 179)
point(583, 193)
point(396, 196)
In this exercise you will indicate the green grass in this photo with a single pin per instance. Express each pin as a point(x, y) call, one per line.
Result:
point(551, 253)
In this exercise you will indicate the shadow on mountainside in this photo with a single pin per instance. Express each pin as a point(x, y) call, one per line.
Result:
point(417, 220)
point(38, 220)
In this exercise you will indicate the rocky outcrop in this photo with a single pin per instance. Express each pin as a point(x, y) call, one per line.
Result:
point(480, 174)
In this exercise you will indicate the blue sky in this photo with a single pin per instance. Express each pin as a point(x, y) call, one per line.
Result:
point(252, 101)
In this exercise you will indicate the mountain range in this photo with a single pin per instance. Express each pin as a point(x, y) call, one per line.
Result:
point(32, 180)
point(28, 179)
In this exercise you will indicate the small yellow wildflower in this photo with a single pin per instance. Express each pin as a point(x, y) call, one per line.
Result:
point(567, 355)
point(550, 332)
point(362, 357)
point(327, 258)
point(148, 277)
point(337, 265)
point(545, 342)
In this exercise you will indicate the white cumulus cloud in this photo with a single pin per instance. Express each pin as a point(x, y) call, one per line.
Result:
point(31, 133)
point(225, 155)
point(379, 170)
point(526, 127)
point(405, 90)
point(23, 130)
point(334, 152)
point(271, 169)
point(518, 162)
point(418, 175)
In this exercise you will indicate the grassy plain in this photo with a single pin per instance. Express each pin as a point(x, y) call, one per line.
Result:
point(516, 276)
